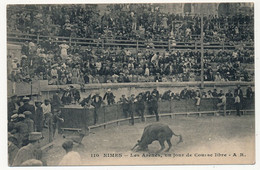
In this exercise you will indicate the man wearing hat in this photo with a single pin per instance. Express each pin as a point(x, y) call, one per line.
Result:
point(30, 151)
point(27, 107)
point(96, 102)
point(109, 96)
point(67, 96)
point(28, 121)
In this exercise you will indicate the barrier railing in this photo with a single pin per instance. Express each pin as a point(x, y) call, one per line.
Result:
point(109, 42)
point(82, 118)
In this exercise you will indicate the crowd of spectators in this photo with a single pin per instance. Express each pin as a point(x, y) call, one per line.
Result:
point(64, 64)
point(73, 64)
point(126, 21)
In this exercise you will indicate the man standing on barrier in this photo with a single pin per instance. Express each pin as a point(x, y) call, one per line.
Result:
point(96, 102)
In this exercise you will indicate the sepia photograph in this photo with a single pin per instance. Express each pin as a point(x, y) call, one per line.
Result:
point(130, 84)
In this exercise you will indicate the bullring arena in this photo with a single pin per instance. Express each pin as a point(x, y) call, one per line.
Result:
point(91, 78)
point(204, 135)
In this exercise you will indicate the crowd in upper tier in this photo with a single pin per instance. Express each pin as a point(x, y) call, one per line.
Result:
point(127, 21)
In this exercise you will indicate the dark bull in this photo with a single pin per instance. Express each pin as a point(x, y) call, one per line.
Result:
point(153, 132)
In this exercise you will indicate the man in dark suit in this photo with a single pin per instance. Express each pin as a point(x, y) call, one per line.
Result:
point(131, 106)
point(125, 105)
point(140, 106)
point(110, 97)
point(154, 106)
point(96, 102)
point(249, 92)
point(238, 91)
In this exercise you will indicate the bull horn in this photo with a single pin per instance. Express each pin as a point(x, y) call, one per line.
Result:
point(135, 146)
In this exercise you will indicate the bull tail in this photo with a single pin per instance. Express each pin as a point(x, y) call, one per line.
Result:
point(180, 137)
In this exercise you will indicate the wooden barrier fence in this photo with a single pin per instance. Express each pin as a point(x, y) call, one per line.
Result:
point(82, 119)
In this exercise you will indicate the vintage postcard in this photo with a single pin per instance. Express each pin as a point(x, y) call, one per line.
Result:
point(131, 84)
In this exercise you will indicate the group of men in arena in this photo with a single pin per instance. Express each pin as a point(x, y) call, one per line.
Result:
point(136, 104)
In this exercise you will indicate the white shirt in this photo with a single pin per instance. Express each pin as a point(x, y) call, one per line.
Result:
point(64, 48)
point(223, 99)
point(46, 109)
point(237, 99)
point(71, 158)
point(98, 65)
point(147, 71)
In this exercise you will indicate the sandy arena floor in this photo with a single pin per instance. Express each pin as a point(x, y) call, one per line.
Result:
point(206, 140)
